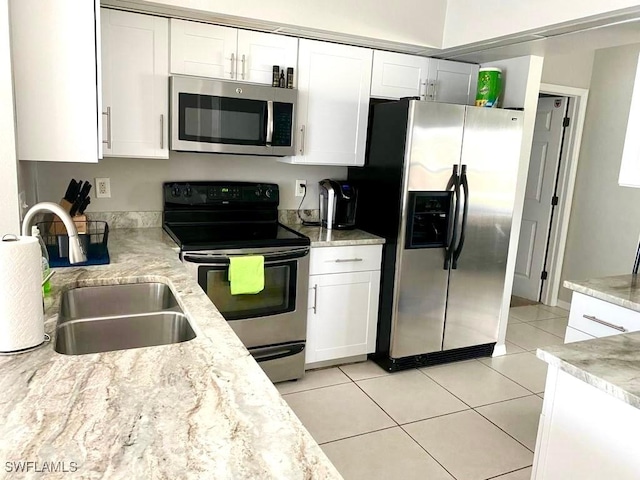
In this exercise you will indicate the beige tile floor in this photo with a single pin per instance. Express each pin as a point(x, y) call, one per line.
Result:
point(472, 420)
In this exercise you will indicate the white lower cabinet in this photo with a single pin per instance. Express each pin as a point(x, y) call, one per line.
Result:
point(585, 433)
point(593, 318)
point(343, 306)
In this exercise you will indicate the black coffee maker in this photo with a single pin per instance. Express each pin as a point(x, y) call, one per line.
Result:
point(338, 199)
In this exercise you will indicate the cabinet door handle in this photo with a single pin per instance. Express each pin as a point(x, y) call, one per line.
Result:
point(161, 131)
point(302, 132)
point(605, 323)
point(315, 299)
point(108, 140)
point(345, 260)
point(233, 65)
point(243, 67)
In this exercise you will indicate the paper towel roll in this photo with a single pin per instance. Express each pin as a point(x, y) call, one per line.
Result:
point(21, 316)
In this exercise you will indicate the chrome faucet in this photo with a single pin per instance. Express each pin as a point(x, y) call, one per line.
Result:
point(76, 252)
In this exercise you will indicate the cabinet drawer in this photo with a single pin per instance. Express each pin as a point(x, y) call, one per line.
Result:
point(345, 259)
point(573, 335)
point(599, 318)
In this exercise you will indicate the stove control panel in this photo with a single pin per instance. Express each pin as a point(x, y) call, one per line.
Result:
point(215, 193)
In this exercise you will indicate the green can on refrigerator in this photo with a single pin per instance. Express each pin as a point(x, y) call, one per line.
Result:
point(489, 87)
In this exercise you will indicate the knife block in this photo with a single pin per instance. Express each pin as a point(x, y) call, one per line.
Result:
point(58, 228)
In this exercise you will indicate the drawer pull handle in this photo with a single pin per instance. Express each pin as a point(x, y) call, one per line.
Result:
point(345, 260)
point(315, 299)
point(606, 324)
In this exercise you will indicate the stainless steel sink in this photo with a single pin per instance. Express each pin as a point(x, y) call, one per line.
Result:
point(119, 317)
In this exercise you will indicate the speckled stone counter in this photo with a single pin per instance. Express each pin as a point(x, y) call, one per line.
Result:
point(611, 364)
point(622, 290)
point(200, 409)
point(321, 237)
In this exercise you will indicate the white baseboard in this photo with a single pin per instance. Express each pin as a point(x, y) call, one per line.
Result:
point(499, 350)
point(565, 305)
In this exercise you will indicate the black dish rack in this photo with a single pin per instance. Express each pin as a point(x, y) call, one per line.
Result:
point(94, 242)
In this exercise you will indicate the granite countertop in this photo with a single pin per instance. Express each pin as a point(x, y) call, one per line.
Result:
point(611, 364)
point(199, 409)
point(321, 237)
point(622, 290)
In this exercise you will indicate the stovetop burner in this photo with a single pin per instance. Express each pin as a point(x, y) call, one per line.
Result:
point(224, 215)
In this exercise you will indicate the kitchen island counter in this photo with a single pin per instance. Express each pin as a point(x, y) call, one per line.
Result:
point(621, 290)
point(199, 409)
point(321, 237)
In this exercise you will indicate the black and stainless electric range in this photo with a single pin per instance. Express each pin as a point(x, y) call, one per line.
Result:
point(213, 221)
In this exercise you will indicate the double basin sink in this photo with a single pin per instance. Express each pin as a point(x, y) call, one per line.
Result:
point(119, 317)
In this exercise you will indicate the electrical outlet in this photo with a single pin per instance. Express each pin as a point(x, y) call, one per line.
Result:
point(301, 187)
point(103, 188)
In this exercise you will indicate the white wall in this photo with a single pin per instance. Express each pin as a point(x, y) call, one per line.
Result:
point(605, 218)
point(136, 183)
point(9, 210)
point(572, 70)
point(466, 24)
point(522, 83)
point(418, 22)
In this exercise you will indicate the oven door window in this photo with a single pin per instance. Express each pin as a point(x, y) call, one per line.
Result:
point(210, 119)
point(277, 297)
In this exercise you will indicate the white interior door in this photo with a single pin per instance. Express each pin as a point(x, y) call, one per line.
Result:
point(541, 184)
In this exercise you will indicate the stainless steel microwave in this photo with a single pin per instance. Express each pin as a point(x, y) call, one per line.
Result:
point(218, 116)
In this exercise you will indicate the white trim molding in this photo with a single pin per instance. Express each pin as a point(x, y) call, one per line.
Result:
point(566, 183)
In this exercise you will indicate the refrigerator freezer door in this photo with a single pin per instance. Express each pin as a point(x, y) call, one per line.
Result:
point(422, 297)
point(434, 144)
point(491, 153)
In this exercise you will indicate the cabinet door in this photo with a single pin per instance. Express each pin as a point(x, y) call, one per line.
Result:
point(259, 52)
point(203, 50)
point(452, 82)
point(397, 75)
point(343, 317)
point(334, 82)
point(135, 76)
point(54, 72)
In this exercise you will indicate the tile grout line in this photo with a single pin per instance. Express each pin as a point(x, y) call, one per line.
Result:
point(357, 435)
point(314, 388)
point(503, 430)
point(427, 452)
point(509, 378)
point(507, 473)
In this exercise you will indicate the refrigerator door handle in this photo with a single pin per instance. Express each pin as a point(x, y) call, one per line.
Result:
point(463, 228)
point(452, 184)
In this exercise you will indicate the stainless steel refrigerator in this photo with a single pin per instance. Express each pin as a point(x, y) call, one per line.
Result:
point(439, 185)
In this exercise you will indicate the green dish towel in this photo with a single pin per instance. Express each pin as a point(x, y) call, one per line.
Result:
point(246, 274)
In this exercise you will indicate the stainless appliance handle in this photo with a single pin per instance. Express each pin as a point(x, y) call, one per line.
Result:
point(302, 133)
point(315, 298)
point(161, 131)
point(463, 227)
point(266, 354)
point(222, 259)
point(233, 63)
point(454, 185)
point(605, 323)
point(270, 121)
point(242, 66)
point(345, 260)
point(108, 140)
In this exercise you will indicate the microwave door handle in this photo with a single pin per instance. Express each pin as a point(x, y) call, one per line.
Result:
point(269, 122)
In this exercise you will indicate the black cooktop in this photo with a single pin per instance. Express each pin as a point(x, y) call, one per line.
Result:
point(233, 235)
point(219, 215)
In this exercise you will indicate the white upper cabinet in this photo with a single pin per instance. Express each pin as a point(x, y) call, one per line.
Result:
point(397, 75)
point(203, 50)
point(221, 52)
point(259, 52)
point(55, 69)
point(135, 84)
point(334, 82)
point(452, 82)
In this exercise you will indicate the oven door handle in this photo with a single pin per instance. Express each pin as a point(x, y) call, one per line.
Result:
point(265, 354)
point(212, 259)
